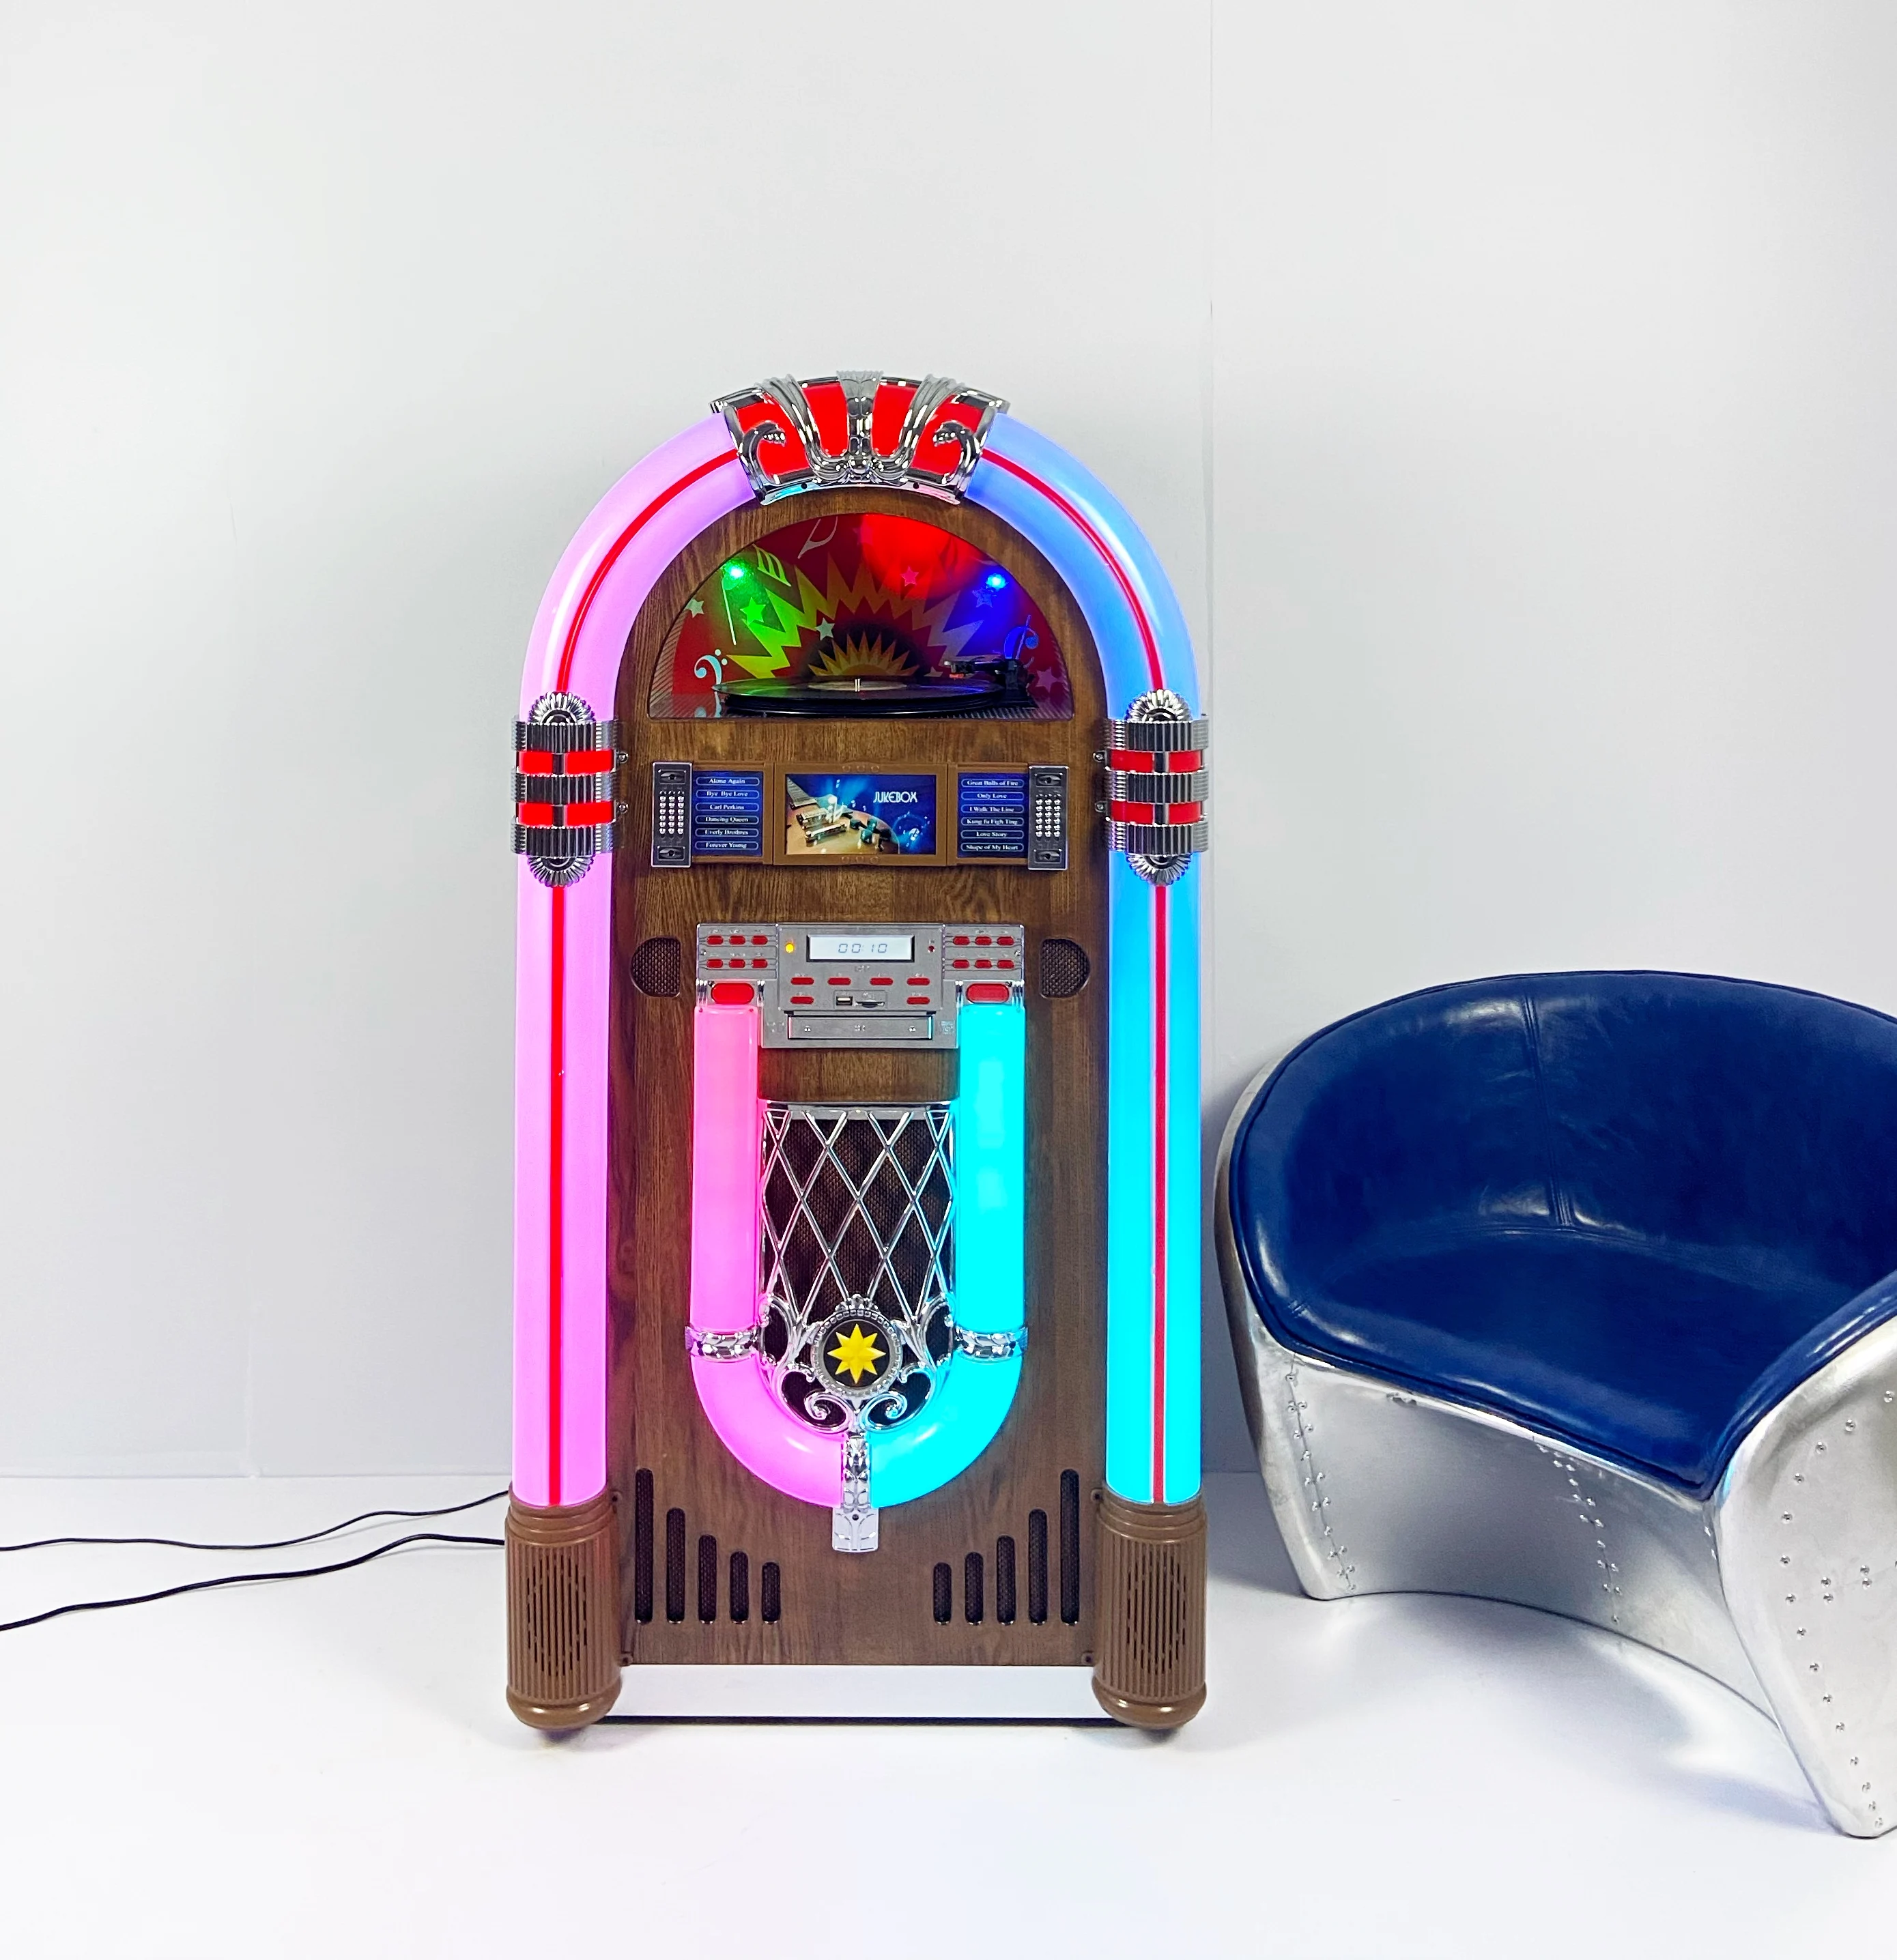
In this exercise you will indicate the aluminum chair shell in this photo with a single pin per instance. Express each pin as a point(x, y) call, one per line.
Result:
point(1782, 1584)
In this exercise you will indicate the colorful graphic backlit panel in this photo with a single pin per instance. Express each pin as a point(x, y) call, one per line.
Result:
point(878, 599)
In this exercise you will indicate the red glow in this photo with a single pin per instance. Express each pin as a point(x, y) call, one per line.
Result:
point(910, 556)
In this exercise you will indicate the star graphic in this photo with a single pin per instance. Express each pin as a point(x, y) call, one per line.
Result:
point(827, 630)
point(856, 1354)
point(695, 607)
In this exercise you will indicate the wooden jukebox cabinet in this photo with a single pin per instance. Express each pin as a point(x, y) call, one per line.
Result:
point(860, 799)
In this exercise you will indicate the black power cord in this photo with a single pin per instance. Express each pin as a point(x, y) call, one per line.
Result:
point(266, 1544)
point(252, 1578)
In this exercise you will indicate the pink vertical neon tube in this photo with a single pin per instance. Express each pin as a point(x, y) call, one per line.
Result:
point(726, 1135)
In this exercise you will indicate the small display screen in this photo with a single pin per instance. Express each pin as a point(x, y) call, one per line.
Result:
point(859, 816)
point(862, 946)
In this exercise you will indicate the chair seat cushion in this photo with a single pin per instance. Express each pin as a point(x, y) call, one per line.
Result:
point(1631, 1209)
point(1641, 1353)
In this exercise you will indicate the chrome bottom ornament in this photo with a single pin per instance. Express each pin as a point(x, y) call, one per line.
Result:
point(1782, 1584)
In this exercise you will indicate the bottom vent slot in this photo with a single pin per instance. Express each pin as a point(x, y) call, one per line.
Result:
point(770, 1586)
point(1070, 1546)
point(944, 1595)
point(741, 1588)
point(675, 1565)
point(1037, 1566)
point(642, 1546)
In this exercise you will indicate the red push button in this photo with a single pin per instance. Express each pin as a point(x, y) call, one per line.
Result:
point(801, 1001)
point(732, 993)
point(802, 980)
point(1006, 939)
point(982, 939)
point(715, 939)
point(960, 939)
point(985, 992)
point(881, 980)
point(958, 963)
point(918, 1001)
point(714, 962)
point(1008, 965)
point(760, 939)
point(839, 979)
point(984, 962)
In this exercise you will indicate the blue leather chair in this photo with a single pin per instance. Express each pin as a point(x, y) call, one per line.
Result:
point(1579, 1290)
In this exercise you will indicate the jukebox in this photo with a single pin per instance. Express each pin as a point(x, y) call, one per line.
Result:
point(860, 794)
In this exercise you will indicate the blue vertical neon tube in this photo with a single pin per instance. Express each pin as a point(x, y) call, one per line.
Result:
point(1182, 1242)
point(974, 1393)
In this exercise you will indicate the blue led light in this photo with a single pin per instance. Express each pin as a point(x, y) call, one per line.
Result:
point(996, 581)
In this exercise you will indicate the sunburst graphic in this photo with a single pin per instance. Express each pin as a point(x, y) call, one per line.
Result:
point(856, 1354)
point(863, 657)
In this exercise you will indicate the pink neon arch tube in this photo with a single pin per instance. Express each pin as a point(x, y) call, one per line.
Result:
point(726, 1128)
point(563, 970)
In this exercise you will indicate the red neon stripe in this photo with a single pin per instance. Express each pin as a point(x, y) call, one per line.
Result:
point(612, 558)
point(1099, 544)
point(556, 1124)
point(557, 1014)
point(1159, 1192)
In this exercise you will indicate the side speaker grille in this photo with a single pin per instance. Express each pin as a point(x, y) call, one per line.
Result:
point(657, 967)
point(563, 1639)
point(1150, 1588)
point(1064, 968)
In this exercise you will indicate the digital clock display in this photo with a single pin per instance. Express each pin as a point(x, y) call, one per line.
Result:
point(863, 945)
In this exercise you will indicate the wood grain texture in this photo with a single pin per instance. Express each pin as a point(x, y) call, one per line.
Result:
point(874, 1608)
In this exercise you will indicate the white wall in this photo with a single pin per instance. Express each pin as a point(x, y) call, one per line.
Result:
point(1533, 363)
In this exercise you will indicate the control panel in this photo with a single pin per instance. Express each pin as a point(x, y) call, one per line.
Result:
point(789, 814)
point(884, 985)
point(1047, 817)
point(671, 814)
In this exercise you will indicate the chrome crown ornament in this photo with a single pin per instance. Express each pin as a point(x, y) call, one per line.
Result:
point(856, 429)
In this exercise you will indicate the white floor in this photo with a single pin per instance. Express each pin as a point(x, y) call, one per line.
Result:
point(327, 1768)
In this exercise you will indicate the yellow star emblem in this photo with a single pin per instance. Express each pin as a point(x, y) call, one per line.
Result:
point(856, 1354)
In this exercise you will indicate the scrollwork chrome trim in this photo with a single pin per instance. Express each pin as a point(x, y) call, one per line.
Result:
point(853, 1521)
point(1002, 1347)
point(711, 1343)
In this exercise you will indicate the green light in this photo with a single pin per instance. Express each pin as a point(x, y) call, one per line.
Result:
point(736, 574)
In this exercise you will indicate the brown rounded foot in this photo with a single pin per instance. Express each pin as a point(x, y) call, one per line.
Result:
point(1150, 1672)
